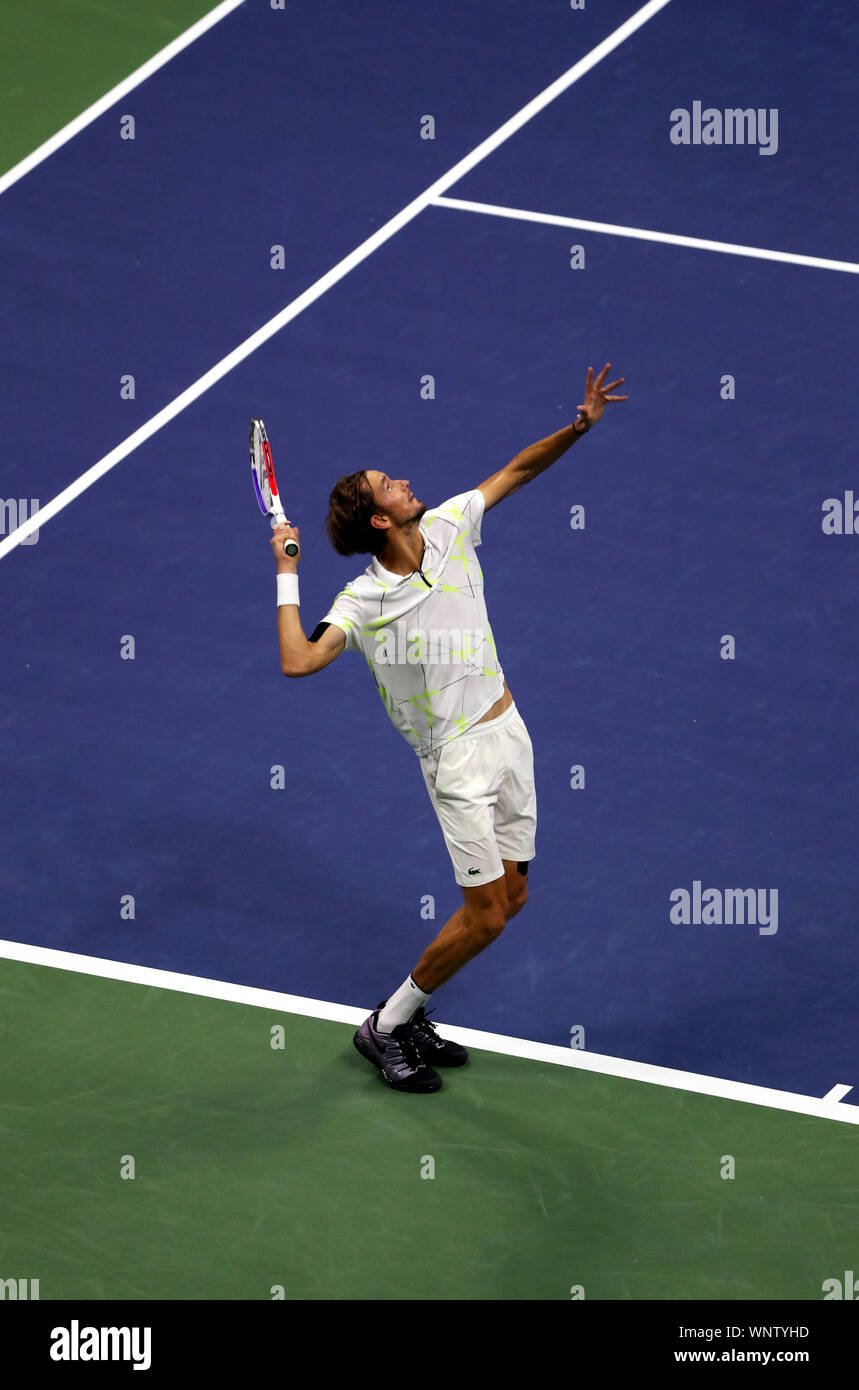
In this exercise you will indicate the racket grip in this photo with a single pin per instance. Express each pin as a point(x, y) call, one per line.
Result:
point(291, 548)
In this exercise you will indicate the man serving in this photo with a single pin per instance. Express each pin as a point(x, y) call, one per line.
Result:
point(417, 614)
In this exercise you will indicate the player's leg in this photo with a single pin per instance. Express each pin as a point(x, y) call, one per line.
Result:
point(516, 884)
point(464, 784)
point(465, 781)
point(478, 923)
point(482, 790)
point(461, 781)
point(511, 829)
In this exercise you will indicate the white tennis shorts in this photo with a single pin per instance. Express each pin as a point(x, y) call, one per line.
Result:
point(481, 786)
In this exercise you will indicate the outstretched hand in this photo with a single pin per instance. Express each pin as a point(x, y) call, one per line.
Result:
point(597, 394)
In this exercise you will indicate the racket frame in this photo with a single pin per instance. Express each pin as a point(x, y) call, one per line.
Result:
point(274, 510)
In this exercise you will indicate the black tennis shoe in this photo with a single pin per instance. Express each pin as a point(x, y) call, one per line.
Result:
point(396, 1056)
point(436, 1051)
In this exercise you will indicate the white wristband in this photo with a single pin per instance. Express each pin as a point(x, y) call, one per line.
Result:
point(287, 589)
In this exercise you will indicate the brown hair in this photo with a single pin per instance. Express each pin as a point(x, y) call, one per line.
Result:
point(350, 507)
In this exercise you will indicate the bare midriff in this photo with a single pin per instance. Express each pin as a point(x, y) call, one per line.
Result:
point(501, 704)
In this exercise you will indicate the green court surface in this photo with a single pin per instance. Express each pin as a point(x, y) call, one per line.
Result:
point(257, 1167)
point(59, 56)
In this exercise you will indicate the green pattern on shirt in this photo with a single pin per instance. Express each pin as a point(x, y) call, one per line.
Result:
point(416, 700)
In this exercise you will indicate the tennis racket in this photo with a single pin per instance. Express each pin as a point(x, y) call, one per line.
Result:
point(265, 484)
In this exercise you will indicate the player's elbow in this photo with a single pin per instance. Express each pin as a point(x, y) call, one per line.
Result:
point(293, 666)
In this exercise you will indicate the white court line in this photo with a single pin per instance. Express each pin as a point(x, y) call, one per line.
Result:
point(98, 108)
point(469, 1037)
point(610, 229)
point(837, 1093)
point(316, 290)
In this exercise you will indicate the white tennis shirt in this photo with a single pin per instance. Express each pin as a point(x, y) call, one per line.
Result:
point(426, 636)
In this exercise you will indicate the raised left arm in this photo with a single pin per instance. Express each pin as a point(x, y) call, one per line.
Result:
point(540, 456)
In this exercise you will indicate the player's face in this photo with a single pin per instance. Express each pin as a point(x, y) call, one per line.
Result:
point(395, 496)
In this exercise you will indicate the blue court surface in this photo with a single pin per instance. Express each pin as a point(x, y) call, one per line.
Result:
point(703, 515)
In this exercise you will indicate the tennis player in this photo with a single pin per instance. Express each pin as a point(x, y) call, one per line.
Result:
point(417, 614)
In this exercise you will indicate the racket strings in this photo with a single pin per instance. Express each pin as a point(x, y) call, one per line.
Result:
point(262, 468)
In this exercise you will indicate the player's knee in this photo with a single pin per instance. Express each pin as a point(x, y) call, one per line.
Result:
point(485, 925)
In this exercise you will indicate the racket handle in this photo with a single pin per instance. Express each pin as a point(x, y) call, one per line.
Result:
point(291, 548)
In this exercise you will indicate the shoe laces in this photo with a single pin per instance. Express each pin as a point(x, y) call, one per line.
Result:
point(421, 1019)
point(408, 1047)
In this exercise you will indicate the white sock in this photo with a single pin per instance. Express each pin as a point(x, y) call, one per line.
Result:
point(401, 1006)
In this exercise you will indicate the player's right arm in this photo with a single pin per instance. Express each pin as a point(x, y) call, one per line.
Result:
point(298, 655)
